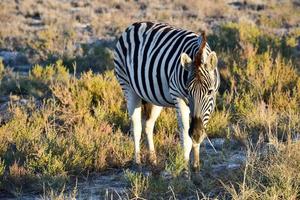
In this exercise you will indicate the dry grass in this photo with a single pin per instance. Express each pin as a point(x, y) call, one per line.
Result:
point(60, 124)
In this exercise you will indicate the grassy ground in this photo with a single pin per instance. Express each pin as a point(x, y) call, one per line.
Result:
point(63, 121)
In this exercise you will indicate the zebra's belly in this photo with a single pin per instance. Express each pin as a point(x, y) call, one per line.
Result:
point(156, 91)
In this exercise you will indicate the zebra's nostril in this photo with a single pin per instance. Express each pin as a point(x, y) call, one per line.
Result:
point(197, 136)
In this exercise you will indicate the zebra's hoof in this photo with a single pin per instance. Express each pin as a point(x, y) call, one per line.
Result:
point(197, 178)
point(155, 170)
point(196, 169)
point(152, 160)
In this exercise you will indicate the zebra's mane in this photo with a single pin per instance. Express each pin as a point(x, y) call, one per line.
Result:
point(198, 57)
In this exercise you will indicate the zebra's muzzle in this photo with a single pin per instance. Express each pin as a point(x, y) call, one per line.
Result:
point(196, 130)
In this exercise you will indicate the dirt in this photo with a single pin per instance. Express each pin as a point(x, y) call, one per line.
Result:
point(112, 184)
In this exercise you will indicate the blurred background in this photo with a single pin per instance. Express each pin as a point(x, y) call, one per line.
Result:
point(79, 31)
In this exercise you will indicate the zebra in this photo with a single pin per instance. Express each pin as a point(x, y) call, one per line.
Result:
point(158, 65)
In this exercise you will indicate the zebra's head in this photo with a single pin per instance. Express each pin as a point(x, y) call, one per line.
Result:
point(202, 87)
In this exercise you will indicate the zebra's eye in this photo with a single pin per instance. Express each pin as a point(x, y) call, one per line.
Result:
point(210, 92)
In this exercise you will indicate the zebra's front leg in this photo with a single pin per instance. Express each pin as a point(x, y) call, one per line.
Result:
point(196, 157)
point(197, 133)
point(183, 115)
point(196, 176)
point(134, 104)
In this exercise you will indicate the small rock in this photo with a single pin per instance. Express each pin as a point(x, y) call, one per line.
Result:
point(238, 158)
point(296, 137)
point(13, 58)
point(5, 115)
point(36, 23)
point(166, 175)
point(219, 168)
point(232, 166)
point(267, 148)
point(24, 101)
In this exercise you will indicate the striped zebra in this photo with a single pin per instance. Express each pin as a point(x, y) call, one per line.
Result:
point(157, 66)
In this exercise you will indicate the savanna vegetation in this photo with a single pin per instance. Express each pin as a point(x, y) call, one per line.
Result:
point(66, 119)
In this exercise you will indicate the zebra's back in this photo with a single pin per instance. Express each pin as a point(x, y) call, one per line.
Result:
point(147, 55)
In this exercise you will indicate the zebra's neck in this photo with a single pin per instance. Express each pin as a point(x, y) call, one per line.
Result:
point(179, 78)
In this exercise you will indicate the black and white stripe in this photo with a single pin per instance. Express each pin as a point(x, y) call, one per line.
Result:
point(147, 58)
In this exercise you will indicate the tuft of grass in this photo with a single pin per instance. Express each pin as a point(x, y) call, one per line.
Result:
point(175, 163)
point(138, 182)
point(60, 195)
point(272, 176)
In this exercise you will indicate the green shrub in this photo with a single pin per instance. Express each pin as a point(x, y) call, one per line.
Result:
point(244, 36)
point(74, 131)
point(37, 83)
point(50, 73)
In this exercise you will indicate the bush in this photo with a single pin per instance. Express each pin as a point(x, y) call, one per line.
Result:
point(97, 58)
point(74, 131)
point(56, 41)
point(37, 83)
point(244, 36)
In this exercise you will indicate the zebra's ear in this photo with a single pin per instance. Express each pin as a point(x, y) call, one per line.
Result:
point(212, 61)
point(186, 62)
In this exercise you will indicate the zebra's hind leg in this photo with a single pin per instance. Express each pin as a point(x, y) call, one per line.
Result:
point(151, 113)
point(134, 104)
